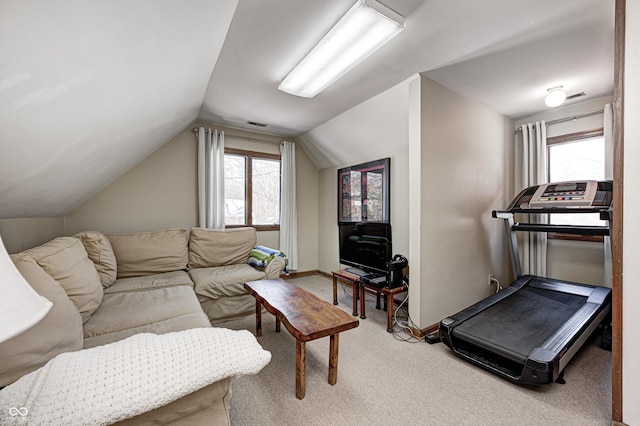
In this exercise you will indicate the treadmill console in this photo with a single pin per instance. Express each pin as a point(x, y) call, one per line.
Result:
point(584, 194)
point(565, 194)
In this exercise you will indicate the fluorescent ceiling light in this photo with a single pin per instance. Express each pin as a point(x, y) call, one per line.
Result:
point(555, 97)
point(366, 27)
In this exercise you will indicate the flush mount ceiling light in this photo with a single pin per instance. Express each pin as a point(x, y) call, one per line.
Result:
point(366, 27)
point(555, 97)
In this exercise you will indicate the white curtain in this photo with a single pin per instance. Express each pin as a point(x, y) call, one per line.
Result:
point(288, 211)
point(534, 172)
point(210, 178)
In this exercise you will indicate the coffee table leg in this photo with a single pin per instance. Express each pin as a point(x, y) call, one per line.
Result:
point(362, 313)
point(258, 318)
point(333, 359)
point(277, 325)
point(301, 355)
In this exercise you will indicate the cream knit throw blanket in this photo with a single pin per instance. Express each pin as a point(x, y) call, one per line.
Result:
point(109, 383)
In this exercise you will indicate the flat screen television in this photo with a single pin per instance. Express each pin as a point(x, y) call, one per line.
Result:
point(365, 246)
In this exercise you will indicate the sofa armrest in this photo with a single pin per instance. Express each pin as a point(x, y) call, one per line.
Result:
point(275, 267)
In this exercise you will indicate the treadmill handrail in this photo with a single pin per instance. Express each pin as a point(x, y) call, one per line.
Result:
point(606, 214)
point(557, 210)
point(563, 229)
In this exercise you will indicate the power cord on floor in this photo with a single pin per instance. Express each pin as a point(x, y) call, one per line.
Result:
point(403, 327)
point(348, 294)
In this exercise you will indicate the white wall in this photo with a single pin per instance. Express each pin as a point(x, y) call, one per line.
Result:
point(21, 234)
point(307, 194)
point(354, 137)
point(159, 192)
point(631, 226)
point(460, 168)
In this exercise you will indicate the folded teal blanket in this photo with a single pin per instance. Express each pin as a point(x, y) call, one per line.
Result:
point(260, 257)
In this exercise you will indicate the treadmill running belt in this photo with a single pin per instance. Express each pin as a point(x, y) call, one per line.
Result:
point(521, 322)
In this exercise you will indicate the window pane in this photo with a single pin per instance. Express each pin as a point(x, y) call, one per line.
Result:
point(234, 190)
point(374, 202)
point(352, 207)
point(265, 192)
point(582, 159)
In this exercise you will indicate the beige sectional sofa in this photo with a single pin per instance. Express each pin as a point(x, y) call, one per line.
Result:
point(106, 288)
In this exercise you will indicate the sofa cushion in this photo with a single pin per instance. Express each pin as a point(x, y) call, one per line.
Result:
point(223, 281)
point(219, 247)
point(66, 260)
point(59, 331)
point(148, 253)
point(101, 254)
point(168, 279)
point(159, 311)
point(206, 406)
point(228, 308)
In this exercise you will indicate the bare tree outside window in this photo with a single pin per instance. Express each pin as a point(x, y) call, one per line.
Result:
point(252, 189)
point(234, 189)
point(266, 192)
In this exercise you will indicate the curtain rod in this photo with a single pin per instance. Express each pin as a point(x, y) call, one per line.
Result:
point(195, 130)
point(570, 118)
point(575, 117)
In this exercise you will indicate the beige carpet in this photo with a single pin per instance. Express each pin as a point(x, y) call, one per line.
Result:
point(385, 381)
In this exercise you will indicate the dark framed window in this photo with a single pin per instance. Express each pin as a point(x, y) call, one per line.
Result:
point(363, 192)
point(252, 189)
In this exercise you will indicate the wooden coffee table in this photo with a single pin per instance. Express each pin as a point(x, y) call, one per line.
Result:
point(306, 316)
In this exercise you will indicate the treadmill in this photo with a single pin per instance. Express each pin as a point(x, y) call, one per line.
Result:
point(529, 332)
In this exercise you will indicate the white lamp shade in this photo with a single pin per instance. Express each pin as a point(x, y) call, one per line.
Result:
point(20, 306)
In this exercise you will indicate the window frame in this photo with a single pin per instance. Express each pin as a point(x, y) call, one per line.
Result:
point(568, 138)
point(248, 185)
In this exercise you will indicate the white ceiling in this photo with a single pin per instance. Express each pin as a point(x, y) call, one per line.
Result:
point(88, 89)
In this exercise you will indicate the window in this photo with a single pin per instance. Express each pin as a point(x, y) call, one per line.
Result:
point(252, 189)
point(363, 192)
point(572, 157)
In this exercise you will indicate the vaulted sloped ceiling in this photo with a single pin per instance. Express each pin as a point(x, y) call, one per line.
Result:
point(90, 88)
